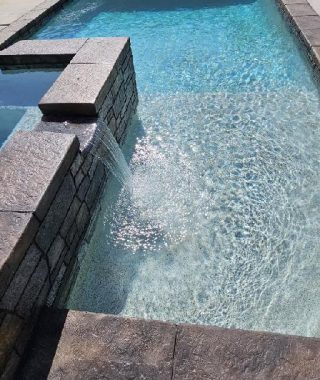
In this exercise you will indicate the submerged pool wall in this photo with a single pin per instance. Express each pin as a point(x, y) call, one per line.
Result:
point(51, 178)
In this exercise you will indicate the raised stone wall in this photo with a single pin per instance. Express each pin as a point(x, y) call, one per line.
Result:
point(51, 180)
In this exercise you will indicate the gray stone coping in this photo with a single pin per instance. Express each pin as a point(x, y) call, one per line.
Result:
point(84, 84)
point(28, 163)
point(28, 52)
point(28, 22)
point(84, 128)
point(84, 345)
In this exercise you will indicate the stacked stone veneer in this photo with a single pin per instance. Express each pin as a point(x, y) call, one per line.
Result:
point(51, 178)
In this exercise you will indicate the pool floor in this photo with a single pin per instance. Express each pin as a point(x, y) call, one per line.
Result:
point(222, 224)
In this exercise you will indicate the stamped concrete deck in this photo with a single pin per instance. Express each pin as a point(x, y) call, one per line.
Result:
point(81, 345)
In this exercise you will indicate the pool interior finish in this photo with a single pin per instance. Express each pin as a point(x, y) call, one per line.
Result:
point(20, 92)
point(222, 225)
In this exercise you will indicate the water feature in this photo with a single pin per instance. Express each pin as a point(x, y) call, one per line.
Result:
point(20, 92)
point(222, 223)
point(110, 154)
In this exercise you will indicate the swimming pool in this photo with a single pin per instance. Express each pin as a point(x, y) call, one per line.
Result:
point(20, 92)
point(222, 224)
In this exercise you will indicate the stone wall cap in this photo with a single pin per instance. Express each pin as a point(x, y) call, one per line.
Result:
point(79, 90)
point(32, 166)
point(102, 50)
point(84, 129)
point(41, 51)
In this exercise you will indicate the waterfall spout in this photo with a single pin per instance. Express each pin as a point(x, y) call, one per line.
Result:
point(110, 154)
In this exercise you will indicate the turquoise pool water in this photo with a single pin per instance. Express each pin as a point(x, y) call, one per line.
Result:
point(223, 223)
point(20, 92)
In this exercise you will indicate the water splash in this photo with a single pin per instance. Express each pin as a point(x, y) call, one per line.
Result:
point(108, 151)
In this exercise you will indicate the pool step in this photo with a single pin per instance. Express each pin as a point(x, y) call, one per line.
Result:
point(81, 345)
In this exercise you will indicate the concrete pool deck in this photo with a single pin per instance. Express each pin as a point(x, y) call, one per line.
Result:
point(82, 345)
point(315, 5)
point(11, 10)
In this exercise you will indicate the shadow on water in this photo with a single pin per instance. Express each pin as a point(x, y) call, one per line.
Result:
point(164, 5)
point(115, 267)
point(81, 12)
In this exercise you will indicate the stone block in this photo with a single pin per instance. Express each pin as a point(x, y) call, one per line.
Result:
point(55, 272)
point(83, 219)
point(316, 55)
point(87, 163)
point(312, 37)
point(118, 82)
point(7, 37)
point(214, 353)
point(32, 167)
point(79, 90)
point(71, 234)
point(95, 186)
point(301, 10)
point(294, 1)
point(79, 178)
point(307, 22)
point(10, 330)
point(112, 125)
point(83, 188)
point(23, 24)
point(71, 255)
point(51, 4)
point(70, 217)
point(78, 161)
point(55, 252)
point(108, 51)
point(56, 214)
point(95, 162)
point(33, 289)
point(17, 231)
point(21, 278)
point(119, 101)
point(83, 128)
point(56, 285)
point(41, 51)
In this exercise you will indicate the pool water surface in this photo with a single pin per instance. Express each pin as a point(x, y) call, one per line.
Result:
point(222, 225)
point(20, 92)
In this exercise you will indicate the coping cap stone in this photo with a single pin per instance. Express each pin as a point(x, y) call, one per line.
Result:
point(41, 51)
point(79, 90)
point(32, 166)
point(102, 50)
point(85, 129)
